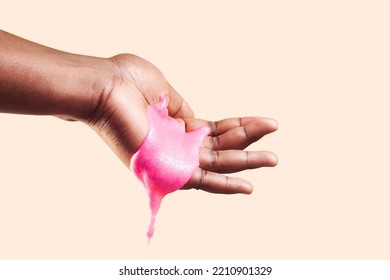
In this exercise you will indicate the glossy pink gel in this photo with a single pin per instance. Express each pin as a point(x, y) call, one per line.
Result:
point(167, 157)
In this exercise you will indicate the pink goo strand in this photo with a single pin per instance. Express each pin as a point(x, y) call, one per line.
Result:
point(167, 157)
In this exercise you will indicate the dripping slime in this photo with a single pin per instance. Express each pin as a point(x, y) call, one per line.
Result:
point(167, 157)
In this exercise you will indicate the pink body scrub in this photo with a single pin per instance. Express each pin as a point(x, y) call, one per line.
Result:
point(167, 157)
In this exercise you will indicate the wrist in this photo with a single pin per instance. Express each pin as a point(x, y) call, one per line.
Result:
point(89, 81)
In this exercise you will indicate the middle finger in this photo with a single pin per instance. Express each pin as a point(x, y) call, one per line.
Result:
point(235, 160)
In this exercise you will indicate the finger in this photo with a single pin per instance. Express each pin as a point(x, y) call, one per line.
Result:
point(177, 106)
point(217, 183)
point(242, 136)
point(222, 126)
point(235, 160)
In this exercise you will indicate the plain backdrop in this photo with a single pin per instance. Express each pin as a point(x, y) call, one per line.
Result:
point(320, 68)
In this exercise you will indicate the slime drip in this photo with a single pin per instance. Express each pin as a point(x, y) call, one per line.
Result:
point(167, 157)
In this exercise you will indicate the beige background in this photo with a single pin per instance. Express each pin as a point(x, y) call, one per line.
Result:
point(321, 68)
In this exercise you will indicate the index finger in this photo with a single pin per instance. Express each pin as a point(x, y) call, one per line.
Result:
point(222, 126)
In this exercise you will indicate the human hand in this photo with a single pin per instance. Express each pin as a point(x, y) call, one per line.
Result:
point(112, 96)
point(120, 116)
point(120, 119)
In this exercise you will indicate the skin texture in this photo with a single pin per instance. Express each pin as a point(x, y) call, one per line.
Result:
point(111, 96)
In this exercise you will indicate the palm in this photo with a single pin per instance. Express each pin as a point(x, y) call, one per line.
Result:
point(122, 122)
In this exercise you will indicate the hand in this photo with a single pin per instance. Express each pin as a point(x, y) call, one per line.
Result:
point(112, 95)
point(120, 115)
point(121, 120)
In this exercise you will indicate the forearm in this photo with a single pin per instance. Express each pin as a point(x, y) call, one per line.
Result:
point(38, 80)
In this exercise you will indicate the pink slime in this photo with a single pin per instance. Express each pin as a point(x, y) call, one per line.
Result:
point(167, 157)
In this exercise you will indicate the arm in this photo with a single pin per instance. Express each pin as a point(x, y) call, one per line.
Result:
point(111, 96)
point(38, 80)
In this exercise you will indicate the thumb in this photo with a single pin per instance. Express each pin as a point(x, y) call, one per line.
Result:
point(177, 106)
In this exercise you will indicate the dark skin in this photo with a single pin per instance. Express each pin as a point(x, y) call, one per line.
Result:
point(111, 96)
